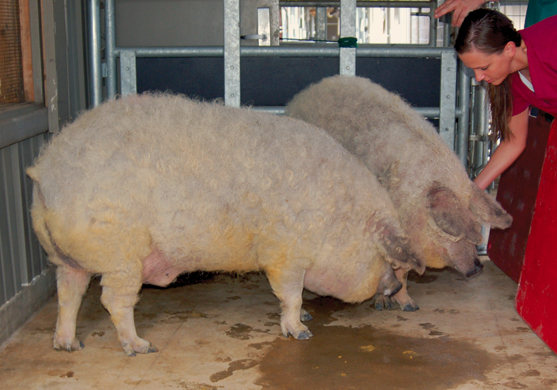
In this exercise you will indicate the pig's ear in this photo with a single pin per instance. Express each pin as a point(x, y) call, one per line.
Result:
point(487, 210)
point(450, 216)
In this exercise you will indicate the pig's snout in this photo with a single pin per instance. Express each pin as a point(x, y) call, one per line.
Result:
point(478, 267)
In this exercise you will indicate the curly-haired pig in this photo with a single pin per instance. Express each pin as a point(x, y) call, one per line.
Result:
point(439, 207)
point(142, 189)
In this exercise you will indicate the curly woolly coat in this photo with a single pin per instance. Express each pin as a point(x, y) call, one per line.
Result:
point(440, 209)
point(147, 187)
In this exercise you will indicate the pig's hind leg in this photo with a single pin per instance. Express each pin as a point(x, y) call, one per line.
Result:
point(119, 296)
point(71, 284)
point(288, 285)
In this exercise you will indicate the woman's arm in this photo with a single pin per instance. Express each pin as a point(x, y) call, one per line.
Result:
point(507, 152)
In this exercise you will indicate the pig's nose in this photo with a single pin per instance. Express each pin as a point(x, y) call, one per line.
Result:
point(478, 268)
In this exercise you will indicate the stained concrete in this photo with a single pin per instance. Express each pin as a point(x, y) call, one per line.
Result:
point(222, 332)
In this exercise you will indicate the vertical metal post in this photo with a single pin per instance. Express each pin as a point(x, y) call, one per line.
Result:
point(433, 24)
point(264, 26)
point(482, 126)
point(232, 53)
point(347, 29)
point(34, 18)
point(463, 121)
point(95, 74)
point(51, 76)
point(321, 23)
point(128, 77)
point(447, 104)
point(110, 43)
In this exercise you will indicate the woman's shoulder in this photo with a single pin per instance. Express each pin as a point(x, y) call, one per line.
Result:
point(542, 28)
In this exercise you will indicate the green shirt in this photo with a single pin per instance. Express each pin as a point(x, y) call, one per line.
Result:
point(538, 10)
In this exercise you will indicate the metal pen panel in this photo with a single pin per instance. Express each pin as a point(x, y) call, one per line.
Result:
point(37, 259)
point(232, 53)
point(9, 230)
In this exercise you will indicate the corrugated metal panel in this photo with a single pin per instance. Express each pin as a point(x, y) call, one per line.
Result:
point(21, 258)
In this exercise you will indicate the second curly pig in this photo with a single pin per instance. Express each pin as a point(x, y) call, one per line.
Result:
point(439, 207)
point(144, 188)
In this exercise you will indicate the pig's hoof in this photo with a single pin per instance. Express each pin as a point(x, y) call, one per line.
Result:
point(410, 307)
point(383, 302)
point(131, 351)
point(74, 345)
point(305, 316)
point(305, 335)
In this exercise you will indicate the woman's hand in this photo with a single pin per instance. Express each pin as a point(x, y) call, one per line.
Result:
point(461, 8)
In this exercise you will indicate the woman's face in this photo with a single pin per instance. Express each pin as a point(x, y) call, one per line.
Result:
point(493, 68)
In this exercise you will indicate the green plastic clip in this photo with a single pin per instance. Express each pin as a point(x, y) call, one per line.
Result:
point(348, 42)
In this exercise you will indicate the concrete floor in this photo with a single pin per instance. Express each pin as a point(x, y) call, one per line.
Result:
point(222, 332)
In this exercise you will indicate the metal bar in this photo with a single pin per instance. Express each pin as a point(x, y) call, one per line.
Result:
point(34, 18)
point(463, 122)
point(95, 52)
point(321, 21)
point(128, 74)
point(110, 43)
point(331, 50)
point(433, 23)
point(482, 129)
point(264, 26)
point(347, 64)
point(31, 120)
point(428, 112)
point(51, 76)
point(232, 53)
point(447, 102)
point(381, 4)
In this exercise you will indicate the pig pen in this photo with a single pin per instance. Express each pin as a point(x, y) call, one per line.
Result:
point(217, 331)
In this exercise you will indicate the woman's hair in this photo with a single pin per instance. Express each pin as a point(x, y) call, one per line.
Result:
point(489, 31)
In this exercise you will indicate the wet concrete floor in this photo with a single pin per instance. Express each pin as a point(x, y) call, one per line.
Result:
point(223, 332)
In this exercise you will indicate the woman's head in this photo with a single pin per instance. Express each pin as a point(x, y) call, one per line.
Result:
point(486, 31)
point(487, 42)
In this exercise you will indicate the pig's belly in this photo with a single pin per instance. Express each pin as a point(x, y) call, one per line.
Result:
point(159, 270)
point(327, 282)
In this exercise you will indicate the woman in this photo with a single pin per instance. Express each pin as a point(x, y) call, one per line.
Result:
point(520, 69)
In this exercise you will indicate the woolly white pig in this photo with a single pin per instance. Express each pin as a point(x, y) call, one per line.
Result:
point(440, 209)
point(142, 189)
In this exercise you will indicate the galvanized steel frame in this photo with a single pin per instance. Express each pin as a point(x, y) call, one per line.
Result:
point(447, 112)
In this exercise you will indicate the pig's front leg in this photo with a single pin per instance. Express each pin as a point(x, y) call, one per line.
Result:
point(288, 285)
point(404, 300)
point(71, 284)
point(119, 296)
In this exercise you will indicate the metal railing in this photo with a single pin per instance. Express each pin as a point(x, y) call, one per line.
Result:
point(447, 111)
